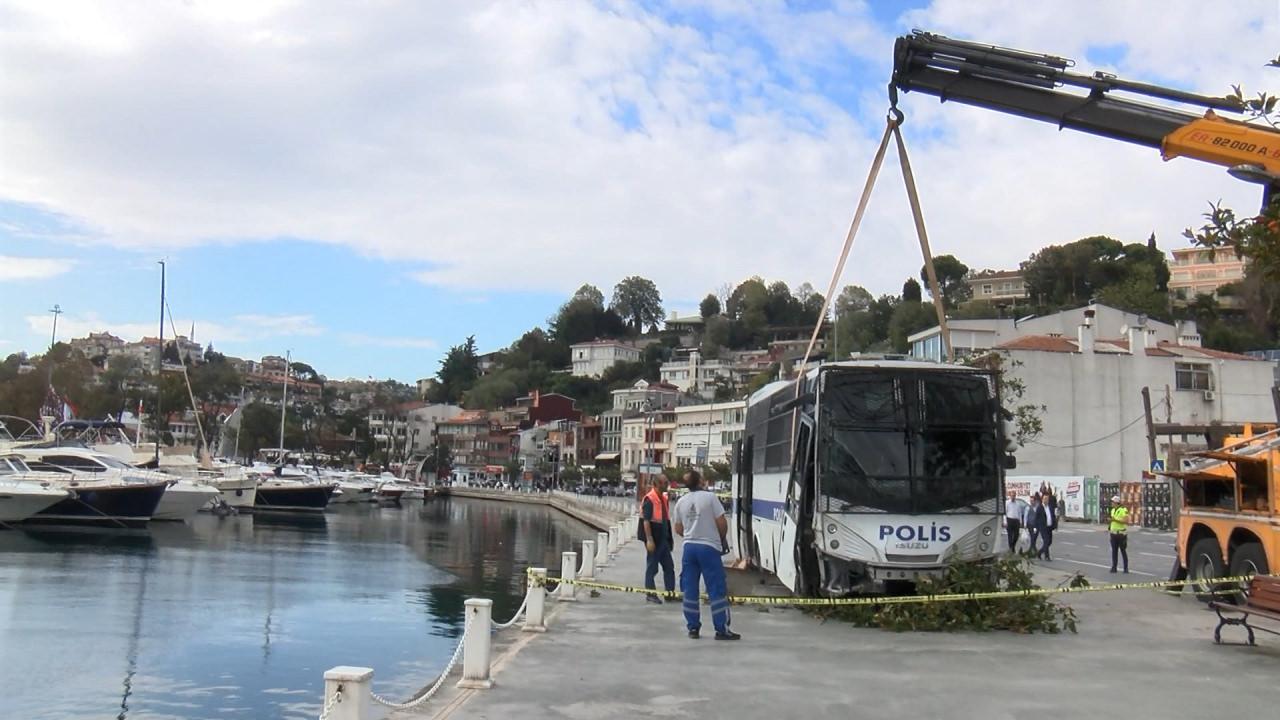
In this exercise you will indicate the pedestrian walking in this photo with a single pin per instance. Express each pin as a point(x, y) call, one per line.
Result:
point(1029, 522)
point(700, 521)
point(655, 531)
point(1119, 533)
point(1014, 510)
point(1047, 520)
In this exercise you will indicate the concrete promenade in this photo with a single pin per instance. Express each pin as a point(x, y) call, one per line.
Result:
point(1139, 654)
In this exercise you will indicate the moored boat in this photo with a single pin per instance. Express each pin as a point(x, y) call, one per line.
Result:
point(24, 493)
point(101, 494)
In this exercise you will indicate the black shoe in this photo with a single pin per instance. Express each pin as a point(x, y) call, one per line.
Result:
point(728, 635)
point(693, 635)
point(1126, 571)
point(1113, 570)
point(654, 599)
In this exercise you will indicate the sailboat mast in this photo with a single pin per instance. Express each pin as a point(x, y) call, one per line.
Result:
point(160, 366)
point(284, 401)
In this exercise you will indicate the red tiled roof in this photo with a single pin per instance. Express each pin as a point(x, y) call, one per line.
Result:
point(1042, 343)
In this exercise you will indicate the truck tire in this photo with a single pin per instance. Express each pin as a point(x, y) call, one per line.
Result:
point(1204, 562)
point(1248, 559)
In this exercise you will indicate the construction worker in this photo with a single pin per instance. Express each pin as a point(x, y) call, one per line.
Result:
point(655, 531)
point(1119, 533)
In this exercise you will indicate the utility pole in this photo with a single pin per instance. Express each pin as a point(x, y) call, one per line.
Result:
point(57, 310)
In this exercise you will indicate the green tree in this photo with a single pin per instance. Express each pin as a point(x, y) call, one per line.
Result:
point(591, 294)
point(1256, 239)
point(911, 291)
point(458, 371)
point(908, 318)
point(1072, 274)
point(1138, 292)
point(709, 307)
point(951, 274)
point(638, 301)
point(853, 298)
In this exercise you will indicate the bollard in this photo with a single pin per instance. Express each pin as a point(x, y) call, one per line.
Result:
point(475, 645)
point(588, 560)
point(614, 537)
point(602, 549)
point(568, 566)
point(535, 610)
point(356, 702)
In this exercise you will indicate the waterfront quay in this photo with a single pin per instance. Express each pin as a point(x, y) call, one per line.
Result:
point(1138, 653)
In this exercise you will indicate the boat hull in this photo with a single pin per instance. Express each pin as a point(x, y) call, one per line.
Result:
point(19, 503)
point(183, 501)
point(129, 506)
point(239, 494)
point(303, 498)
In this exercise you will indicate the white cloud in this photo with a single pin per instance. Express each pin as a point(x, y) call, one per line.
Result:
point(243, 329)
point(14, 268)
point(480, 141)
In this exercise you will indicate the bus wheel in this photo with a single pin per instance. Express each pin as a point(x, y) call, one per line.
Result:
point(1248, 559)
point(1204, 562)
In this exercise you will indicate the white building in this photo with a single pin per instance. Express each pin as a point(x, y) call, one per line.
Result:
point(420, 425)
point(591, 359)
point(648, 438)
point(706, 433)
point(969, 337)
point(1091, 389)
point(645, 395)
point(700, 376)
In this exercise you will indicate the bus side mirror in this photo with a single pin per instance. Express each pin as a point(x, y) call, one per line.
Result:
point(1010, 461)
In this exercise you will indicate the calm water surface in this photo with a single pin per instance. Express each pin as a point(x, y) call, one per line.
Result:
point(240, 617)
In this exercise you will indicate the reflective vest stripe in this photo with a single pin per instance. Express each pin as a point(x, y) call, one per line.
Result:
point(658, 505)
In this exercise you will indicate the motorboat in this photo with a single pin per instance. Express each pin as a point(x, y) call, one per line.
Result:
point(103, 492)
point(390, 491)
point(285, 488)
point(24, 493)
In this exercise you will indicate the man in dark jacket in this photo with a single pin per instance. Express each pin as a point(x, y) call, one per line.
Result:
point(655, 531)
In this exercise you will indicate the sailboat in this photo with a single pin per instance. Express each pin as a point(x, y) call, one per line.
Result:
point(284, 487)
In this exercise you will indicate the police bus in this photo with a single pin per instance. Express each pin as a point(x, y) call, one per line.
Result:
point(876, 471)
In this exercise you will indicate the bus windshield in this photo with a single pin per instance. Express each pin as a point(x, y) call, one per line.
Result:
point(907, 442)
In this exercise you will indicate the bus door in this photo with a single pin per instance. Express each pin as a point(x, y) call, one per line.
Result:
point(788, 554)
point(743, 493)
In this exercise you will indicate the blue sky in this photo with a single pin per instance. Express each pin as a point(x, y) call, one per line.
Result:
point(366, 189)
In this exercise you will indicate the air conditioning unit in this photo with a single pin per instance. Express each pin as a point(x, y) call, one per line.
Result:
point(1210, 396)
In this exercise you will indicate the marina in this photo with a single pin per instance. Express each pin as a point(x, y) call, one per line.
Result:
point(239, 616)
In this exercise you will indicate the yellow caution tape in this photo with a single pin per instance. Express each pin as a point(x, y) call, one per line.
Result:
point(906, 599)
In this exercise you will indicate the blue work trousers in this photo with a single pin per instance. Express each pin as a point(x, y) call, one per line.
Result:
point(661, 556)
point(703, 561)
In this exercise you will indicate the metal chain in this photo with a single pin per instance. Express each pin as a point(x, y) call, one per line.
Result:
point(519, 613)
point(457, 653)
point(328, 706)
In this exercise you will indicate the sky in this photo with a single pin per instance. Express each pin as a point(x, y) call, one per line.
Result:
point(365, 186)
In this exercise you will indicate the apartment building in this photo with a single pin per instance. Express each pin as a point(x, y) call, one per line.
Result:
point(1200, 271)
point(591, 359)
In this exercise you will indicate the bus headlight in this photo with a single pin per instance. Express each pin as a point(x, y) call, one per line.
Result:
point(986, 531)
point(984, 547)
point(835, 544)
point(831, 528)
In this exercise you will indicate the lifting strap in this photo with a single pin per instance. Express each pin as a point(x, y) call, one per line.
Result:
point(892, 128)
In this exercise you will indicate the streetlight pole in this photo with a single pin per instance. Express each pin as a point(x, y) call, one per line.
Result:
point(57, 310)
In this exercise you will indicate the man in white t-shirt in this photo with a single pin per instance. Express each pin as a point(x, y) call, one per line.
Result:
point(700, 521)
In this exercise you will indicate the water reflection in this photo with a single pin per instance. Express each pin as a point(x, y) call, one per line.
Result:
point(240, 616)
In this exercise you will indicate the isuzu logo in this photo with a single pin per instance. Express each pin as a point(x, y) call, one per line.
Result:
point(933, 532)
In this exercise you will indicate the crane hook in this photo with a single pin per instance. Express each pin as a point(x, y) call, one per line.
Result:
point(896, 117)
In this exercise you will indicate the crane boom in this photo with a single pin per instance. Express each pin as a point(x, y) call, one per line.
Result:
point(1034, 86)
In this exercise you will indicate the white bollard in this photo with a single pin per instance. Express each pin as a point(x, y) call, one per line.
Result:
point(475, 648)
point(588, 571)
point(356, 702)
point(568, 570)
point(535, 610)
point(602, 549)
point(614, 539)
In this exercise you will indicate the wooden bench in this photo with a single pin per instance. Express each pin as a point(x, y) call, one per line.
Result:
point(1261, 599)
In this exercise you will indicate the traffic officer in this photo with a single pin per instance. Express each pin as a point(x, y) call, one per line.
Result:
point(1119, 533)
point(655, 531)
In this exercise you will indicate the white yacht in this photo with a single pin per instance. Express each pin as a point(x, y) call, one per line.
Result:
point(182, 499)
point(24, 493)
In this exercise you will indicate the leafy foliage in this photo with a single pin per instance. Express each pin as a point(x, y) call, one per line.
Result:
point(709, 307)
point(638, 301)
point(951, 274)
point(1028, 614)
